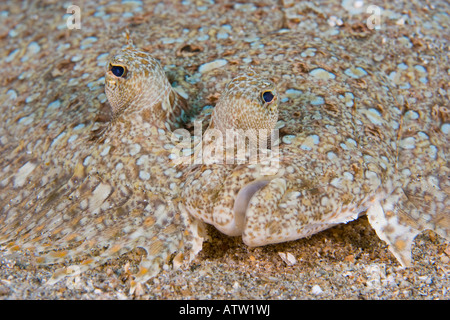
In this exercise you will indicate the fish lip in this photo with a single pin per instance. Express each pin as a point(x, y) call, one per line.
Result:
point(242, 202)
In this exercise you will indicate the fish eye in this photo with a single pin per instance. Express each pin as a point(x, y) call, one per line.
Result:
point(268, 96)
point(118, 71)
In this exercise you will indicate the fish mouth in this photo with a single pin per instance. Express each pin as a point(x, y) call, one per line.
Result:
point(242, 202)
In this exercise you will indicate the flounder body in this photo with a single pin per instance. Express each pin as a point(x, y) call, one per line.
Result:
point(353, 137)
point(111, 187)
point(341, 150)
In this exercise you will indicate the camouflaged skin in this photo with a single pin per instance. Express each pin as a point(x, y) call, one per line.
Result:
point(344, 150)
point(109, 188)
point(54, 116)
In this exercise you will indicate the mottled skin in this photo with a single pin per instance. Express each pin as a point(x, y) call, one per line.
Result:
point(119, 193)
point(339, 157)
point(34, 197)
point(248, 103)
point(241, 123)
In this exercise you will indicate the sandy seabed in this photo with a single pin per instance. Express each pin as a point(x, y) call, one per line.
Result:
point(345, 262)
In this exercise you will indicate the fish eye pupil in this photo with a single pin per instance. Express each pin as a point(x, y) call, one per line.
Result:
point(118, 71)
point(268, 96)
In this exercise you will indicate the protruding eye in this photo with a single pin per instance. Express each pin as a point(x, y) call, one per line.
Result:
point(118, 71)
point(268, 96)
